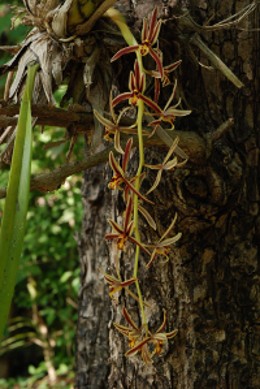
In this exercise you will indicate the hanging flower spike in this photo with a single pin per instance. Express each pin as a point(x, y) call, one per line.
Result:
point(124, 233)
point(113, 127)
point(165, 165)
point(138, 341)
point(136, 86)
point(149, 37)
point(162, 247)
point(169, 114)
point(116, 285)
point(120, 177)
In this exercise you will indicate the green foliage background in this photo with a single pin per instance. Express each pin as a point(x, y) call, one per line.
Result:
point(45, 304)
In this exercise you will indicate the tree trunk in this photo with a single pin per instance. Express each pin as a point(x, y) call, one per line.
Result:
point(210, 286)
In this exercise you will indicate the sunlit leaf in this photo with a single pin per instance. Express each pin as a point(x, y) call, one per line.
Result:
point(16, 204)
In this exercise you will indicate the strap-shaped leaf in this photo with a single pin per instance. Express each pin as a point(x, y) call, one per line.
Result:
point(16, 203)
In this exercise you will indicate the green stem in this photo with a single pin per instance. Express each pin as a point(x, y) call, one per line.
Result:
point(119, 20)
point(139, 172)
point(136, 202)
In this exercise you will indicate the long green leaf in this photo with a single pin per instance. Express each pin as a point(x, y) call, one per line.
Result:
point(16, 203)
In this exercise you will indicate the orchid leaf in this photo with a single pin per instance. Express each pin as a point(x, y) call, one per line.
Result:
point(16, 203)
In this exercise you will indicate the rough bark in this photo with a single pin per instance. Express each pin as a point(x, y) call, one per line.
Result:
point(94, 305)
point(210, 286)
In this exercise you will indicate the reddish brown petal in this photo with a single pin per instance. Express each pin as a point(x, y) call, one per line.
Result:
point(129, 319)
point(126, 156)
point(140, 244)
point(110, 279)
point(136, 191)
point(137, 348)
point(153, 256)
point(131, 83)
point(153, 23)
point(111, 236)
point(144, 34)
point(158, 61)
point(150, 103)
point(162, 326)
point(157, 89)
point(128, 282)
point(122, 97)
point(128, 211)
point(170, 68)
point(125, 50)
point(129, 229)
point(155, 33)
point(124, 330)
point(114, 165)
point(116, 226)
point(137, 76)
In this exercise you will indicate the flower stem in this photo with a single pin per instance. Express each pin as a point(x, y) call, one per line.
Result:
point(136, 201)
point(129, 38)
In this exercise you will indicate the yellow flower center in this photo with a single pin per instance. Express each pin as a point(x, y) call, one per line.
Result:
point(121, 242)
point(144, 48)
point(163, 250)
point(114, 183)
point(134, 99)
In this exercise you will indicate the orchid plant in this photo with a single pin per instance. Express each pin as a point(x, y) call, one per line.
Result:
point(142, 340)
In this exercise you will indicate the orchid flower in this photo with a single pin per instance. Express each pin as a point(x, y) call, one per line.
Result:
point(169, 113)
point(123, 233)
point(165, 81)
point(136, 87)
point(147, 343)
point(149, 37)
point(113, 127)
point(116, 285)
point(163, 246)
